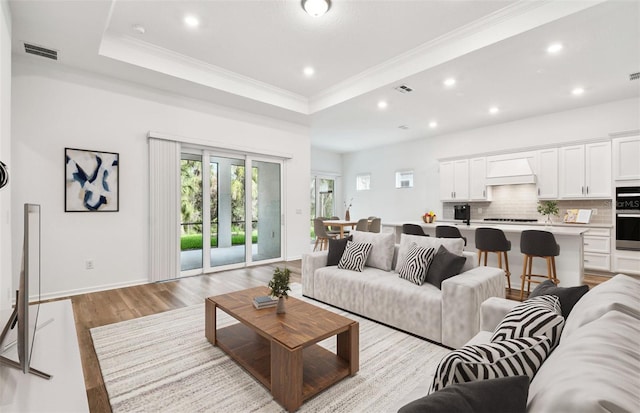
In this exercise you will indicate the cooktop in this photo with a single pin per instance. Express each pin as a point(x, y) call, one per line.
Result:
point(511, 219)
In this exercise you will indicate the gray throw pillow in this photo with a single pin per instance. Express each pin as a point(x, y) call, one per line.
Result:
point(568, 296)
point(336, 249)
point(501, 395)
point(444, 265)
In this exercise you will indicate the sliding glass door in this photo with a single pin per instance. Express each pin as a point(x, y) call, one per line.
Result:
point(240, 215)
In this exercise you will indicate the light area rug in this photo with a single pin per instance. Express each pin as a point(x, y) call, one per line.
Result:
point(164, 363)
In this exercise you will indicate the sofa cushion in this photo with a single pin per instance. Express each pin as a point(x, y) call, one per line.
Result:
point(354, 256)
point(501, 395)
point(538, 316)
point(404, 305)
point(594, 370)
point(619, 293)
point(383, 248)
point(568, 296)
point(512, 357)
point(345, 288)
point(336, 249)
point(445, 265)
point(454, 245)
point(417, 264)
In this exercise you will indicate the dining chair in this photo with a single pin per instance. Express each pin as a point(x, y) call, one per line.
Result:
point(322, 237)
point(362, 225)
point(375, 225)
point(336, 230)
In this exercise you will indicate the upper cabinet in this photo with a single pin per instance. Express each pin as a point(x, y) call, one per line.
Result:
point(626, 158)
point(478, 190)
point(547, 173)
point(454, 180)
point(585, 171)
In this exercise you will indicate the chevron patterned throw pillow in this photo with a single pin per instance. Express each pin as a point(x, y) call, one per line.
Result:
point(512, 357)
point(538, 316)
point(417, 264)
point(354, 256)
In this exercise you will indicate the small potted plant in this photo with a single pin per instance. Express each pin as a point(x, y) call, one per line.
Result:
point(548, 208)
point(429, 217)
point(279, 286)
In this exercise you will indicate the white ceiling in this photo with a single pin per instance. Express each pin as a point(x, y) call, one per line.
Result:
point(250, 55)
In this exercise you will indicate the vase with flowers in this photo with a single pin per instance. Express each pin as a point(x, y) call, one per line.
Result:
point(548, 208)
point(347, 214)
point(429, 217)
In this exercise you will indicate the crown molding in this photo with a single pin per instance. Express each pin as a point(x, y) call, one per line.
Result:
point(500, 25)
point(143, 54)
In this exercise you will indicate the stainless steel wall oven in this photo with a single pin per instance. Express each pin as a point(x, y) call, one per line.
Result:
point(628, 218)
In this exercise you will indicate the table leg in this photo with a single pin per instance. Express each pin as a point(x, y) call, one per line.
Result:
point(210, 321)
point(286, 376)
point(348, 347)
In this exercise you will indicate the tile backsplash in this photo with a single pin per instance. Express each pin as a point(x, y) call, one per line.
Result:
point(521, 201)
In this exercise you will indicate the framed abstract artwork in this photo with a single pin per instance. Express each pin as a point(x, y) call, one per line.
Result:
point(91, 181)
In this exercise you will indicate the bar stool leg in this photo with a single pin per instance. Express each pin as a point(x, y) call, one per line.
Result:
point(523, 276)
point(530, 274)
point(549, 273)
point(479, 256)
point(508, 273)
point(553, 267)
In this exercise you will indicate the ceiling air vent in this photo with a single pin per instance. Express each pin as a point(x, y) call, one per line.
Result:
point(634, 76)
point(403, 127)
point(403, 89)
point(41, 51)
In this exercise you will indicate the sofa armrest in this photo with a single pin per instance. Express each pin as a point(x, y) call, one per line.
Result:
point(462, 296)
point(493, 310)
point(310, 263)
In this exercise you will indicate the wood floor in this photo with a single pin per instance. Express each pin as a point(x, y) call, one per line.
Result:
point(107, 307)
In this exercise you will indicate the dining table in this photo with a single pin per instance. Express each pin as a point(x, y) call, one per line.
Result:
point(339, 223)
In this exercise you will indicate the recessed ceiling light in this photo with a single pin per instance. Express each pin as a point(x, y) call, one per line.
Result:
point(493, 110)
point(191, 21)
point(308, 71)
point(138, 28)
point(433, 124)
point(577, 91)
point(449, 81)
point(382, 104)
point(315, 8)
point(554, 48)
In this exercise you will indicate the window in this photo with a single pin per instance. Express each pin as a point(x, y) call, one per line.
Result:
point(363, 182)
point(404, 179)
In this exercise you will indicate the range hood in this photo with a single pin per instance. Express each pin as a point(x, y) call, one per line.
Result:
point(510, 172)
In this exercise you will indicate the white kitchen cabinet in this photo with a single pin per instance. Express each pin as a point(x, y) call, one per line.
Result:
point(547, 173)
point(454, 180)
point(585, 171)
point(626, 262)
point(626, 158)
point(597, 249)
point(478, 190)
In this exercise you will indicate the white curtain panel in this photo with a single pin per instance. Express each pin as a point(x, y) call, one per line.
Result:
point(164, 209)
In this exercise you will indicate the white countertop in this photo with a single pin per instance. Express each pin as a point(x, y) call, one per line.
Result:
point(565, 229)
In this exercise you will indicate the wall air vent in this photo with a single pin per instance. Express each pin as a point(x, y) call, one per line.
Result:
point(41, 51)
point(403, 89)
point(634, 76)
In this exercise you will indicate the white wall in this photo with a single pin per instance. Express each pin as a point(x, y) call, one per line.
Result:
point(5, 154)
point(422, 155)
point(56, 107)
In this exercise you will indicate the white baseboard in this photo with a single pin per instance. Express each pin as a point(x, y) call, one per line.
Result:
point(104, 287)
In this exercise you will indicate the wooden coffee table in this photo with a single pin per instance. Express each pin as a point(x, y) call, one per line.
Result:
point(280, 350)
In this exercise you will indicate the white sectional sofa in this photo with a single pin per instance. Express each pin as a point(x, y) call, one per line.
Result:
point(596, 366)
point(450, 315)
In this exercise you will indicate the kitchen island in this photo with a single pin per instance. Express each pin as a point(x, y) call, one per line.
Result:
point(569, 264)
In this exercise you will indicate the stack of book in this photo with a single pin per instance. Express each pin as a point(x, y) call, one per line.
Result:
point(264, 301)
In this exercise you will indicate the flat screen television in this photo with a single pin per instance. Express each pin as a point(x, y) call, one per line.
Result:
point(25, 316)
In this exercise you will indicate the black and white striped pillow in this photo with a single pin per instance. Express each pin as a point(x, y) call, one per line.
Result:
point(512, 357)
point(538, 316)
point(354, 256)
point(417, 264)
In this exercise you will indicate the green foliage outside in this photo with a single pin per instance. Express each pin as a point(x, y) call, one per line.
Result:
point(194, 241)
